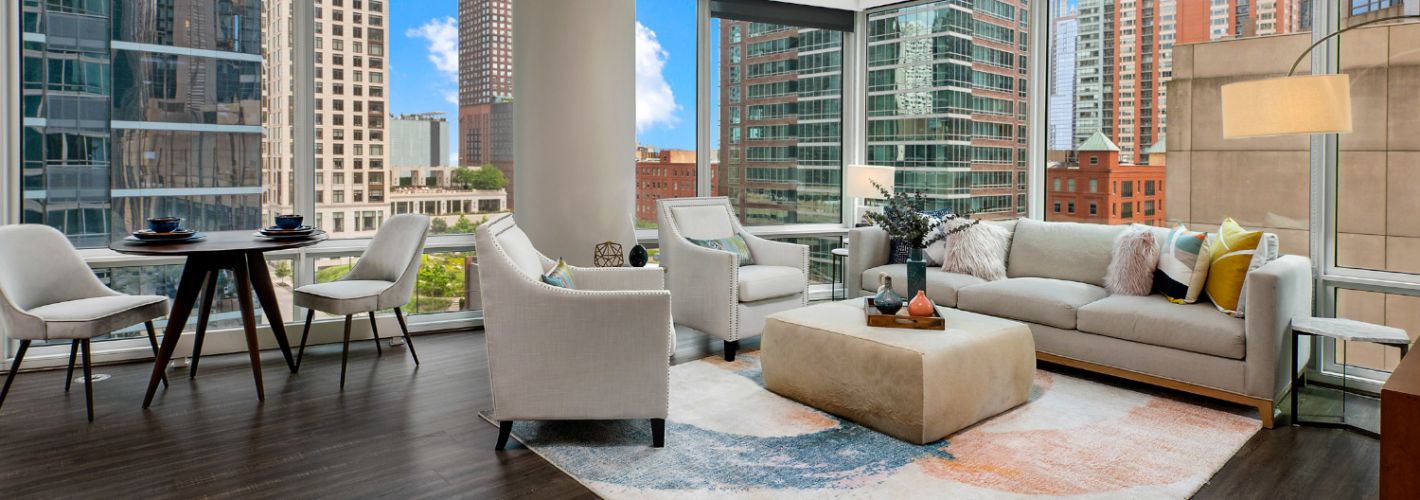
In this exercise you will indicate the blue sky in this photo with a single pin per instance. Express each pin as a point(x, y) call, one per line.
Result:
point(423, 66)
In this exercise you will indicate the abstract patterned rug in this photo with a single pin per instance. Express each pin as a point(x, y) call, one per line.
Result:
point(728, 437)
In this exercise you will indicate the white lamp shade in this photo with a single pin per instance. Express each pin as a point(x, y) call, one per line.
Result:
point(858, 180)
point(1319, 104)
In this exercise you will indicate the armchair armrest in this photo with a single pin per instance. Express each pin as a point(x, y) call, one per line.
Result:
point(867, 248)
point(556, 353)
point(704, 283)
point(778, 253)
point(1276, 293)
point(619, 278)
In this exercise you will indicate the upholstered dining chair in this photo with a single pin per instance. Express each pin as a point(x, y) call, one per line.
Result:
point(383, 278)
point(47, 292)
point(713, 291)
point(599, 350)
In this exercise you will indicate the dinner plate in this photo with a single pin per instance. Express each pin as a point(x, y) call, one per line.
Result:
point(175, 235)
point(194, 236)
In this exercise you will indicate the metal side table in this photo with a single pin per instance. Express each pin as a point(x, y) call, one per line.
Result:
point(840, 258)
point(1347, 330)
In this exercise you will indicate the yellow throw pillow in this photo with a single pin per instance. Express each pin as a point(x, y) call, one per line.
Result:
point(1231, 252)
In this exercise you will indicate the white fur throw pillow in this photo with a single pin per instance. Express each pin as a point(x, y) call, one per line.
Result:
point(979, 250)
point(935, 252)
point(1132, 262)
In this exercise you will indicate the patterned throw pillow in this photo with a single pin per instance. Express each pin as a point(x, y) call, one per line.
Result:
point(1183, 265)
point(1232, 253)
point(734, 244)
point(1267, 251)
point(897, 250)
point(560, 276)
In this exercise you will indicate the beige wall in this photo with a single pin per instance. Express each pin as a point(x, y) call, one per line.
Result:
point(1264, 182)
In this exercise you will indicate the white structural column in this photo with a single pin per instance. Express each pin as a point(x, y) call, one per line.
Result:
point(574, 77)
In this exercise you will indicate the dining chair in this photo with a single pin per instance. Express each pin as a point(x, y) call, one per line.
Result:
point(383, 278)
point(47, 292)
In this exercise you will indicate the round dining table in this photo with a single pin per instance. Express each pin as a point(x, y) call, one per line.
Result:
point(243, 253)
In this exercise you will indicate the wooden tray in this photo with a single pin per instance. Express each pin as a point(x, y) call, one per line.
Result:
point(902, 319)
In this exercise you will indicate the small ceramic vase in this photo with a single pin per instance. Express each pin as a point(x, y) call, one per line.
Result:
point(639, 256)
point(887, 301)
point(921, 306)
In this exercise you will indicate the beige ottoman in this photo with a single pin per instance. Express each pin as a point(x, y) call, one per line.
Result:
point(915, 385)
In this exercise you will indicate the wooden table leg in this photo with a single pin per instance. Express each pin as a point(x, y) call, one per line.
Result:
point(189, 287)
point(266, 295)
point(204, 314)
point(239, 268)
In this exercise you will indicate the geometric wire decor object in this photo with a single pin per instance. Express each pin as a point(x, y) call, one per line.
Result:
point(608, 254)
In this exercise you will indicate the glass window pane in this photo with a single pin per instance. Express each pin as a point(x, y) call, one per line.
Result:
point(665, 104)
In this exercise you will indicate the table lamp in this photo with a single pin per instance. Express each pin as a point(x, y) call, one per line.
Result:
point(1292, 105)
point(858, 184)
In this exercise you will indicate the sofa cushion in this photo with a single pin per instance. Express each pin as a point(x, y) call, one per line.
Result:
point(942, 286)
point(1061, 250)
point(768, 282)
point(1046, 301)
point(1153, 320)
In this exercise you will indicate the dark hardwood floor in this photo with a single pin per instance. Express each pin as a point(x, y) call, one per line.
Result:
point(400, 432)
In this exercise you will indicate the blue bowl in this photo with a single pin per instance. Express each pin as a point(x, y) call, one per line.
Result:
point(289, 221)
point(164, 224)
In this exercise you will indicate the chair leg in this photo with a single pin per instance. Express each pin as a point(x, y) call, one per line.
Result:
point(730, 347)
point(345, 350)
point(505, 429)
point(88, 380)
point(375, 331)
point(69, 375)
point(408, 343)
point(153, 341)
point(658, 433)
point(204, 314)
point(14, 368)
point(301, 353)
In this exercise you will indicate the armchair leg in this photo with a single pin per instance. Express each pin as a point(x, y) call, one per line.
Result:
point(345, 350)
point(658, 433)
point(153, 341)
point(69, 375)
point(14, 368)
point(88, 380)
point(730, 347)
point(301, 353)
point(408, 343)
point(375, 332)
point(505, 429)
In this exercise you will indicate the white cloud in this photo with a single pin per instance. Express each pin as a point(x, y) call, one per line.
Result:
point(655, 103)
point(443, 38)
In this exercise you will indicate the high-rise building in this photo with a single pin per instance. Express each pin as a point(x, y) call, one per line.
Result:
point(947, 102)
point(486, 86)
point(1205, 20)
point(781, 134)
point(1060, 135)
point(352, 168)
point(134, 109)
point(419, 149)
point(664, 173)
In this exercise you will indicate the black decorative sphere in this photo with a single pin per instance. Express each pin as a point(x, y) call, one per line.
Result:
point(638, 256)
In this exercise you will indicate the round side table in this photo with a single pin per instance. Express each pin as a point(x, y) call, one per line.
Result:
point(839, 254)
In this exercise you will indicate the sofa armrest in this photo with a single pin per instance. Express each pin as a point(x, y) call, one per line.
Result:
point(619, 278)
point(1276, 292)
point(867, 248)
point(778, 253)
point(557, 353)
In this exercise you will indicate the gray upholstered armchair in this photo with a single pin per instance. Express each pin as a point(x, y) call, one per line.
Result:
point(713, 292)
point(600, 351)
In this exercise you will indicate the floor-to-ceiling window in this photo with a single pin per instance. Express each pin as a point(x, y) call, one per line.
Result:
point(947, 102)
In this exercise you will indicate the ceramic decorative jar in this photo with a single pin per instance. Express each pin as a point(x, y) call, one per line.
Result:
point(887, 301)
point(921, 306)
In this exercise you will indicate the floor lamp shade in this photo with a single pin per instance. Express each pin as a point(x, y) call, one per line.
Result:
point(858, 180)
point(1319, 104)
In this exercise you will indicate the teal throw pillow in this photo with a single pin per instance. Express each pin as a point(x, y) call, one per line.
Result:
point(734, 244)
point(560, 276)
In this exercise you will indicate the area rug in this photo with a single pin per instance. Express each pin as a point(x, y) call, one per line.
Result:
point(728, 437)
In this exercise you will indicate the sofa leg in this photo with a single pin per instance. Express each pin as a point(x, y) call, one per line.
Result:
point(730, 347)
point(658, 433)
point(505, 429)
point(1264, 410)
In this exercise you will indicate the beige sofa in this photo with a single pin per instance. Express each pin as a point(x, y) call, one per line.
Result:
point(1055, 285)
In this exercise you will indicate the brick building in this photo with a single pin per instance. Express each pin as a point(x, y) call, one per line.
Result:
point(1094, 187)
point(667, 173)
